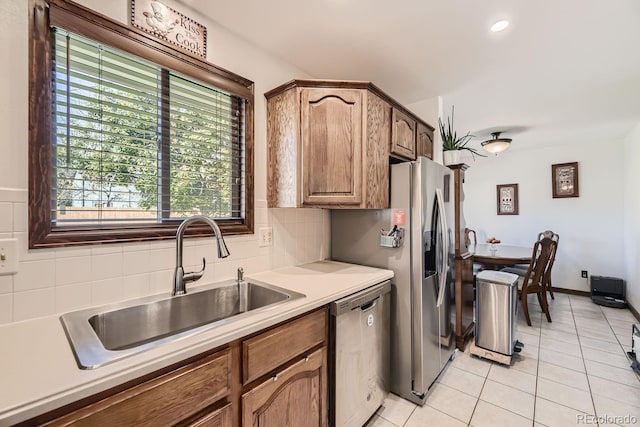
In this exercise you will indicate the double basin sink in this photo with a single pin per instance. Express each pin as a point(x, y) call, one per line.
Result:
point(105, 334)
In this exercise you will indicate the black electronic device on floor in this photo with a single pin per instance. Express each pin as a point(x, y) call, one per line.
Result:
point(608, 291)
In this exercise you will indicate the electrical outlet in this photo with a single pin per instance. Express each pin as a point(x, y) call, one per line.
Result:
point(8, 256)
point(265, 236)
point(584, 274)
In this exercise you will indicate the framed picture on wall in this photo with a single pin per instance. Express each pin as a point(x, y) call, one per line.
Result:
point(507, 199)
point(564, 178)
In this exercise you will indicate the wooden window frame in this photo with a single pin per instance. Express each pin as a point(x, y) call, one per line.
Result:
point(84, 21)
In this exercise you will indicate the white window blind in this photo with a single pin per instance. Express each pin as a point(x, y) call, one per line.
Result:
point(136, 143)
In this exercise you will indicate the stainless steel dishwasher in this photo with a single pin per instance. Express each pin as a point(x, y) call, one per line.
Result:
point(360, 350)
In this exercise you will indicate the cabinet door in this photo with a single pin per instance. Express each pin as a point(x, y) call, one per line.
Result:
point(219, 418)
point(331, 146)
point(297, 396)
point(403, 135)
point(424, 141)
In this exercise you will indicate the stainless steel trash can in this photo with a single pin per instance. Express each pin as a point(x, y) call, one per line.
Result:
point(496, 310)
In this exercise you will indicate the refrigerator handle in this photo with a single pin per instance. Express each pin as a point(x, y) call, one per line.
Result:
point(444, 247)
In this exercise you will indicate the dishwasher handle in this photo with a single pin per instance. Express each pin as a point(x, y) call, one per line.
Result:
point(371, 304)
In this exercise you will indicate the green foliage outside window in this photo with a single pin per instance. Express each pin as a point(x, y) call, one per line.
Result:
point(134, 142)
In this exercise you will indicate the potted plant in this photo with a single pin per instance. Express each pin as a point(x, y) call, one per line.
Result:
point(452, 145)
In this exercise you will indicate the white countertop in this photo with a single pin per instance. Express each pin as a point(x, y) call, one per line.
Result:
point(39, 372)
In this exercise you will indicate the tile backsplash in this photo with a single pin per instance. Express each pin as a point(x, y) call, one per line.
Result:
point(52, 281)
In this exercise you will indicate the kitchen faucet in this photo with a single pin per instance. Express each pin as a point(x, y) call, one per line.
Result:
point(180, 278)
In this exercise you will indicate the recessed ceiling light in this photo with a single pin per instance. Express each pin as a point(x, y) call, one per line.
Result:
point(500, 25)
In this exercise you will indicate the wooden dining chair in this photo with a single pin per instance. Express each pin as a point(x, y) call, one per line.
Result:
point(534, 282)
point(521, 269)
point(547, 279)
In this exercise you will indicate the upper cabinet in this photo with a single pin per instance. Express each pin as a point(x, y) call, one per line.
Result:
point(329, 144)
point(403, 135)
point(424, 140)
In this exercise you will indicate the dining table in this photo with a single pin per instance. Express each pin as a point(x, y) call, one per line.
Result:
point(494, 256)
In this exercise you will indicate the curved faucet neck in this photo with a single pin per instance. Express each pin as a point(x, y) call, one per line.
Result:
point(180, 278)
point(223, 252)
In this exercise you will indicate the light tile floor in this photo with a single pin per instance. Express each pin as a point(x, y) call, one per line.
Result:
point(569, 370)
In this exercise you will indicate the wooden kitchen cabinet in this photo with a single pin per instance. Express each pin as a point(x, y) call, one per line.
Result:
point(424, 141)
point(320, 152)
point(296, 396)
point(275, 377)
point(164, 400)
point(403, 135)
point(331, 146)
point(219, 418)
point(265, 352)
point(288, 394)
point(329, 143)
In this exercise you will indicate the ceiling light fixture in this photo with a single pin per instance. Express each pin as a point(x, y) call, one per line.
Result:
point(500, 25)
point(496, 145)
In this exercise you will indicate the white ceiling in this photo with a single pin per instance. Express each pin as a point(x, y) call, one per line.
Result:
point(564, 71)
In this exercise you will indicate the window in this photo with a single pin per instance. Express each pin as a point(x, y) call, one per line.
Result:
point(136, 143)
point(138, 140)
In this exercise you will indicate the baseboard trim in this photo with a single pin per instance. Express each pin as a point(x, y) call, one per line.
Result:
point(572, 292)
point(633, 311)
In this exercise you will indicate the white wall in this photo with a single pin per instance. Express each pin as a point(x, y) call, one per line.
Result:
point(590, 226)
point(430, 110)
point(631, 152)
point(57, 280)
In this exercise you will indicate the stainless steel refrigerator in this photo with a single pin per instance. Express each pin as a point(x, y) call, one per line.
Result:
point(422, 299)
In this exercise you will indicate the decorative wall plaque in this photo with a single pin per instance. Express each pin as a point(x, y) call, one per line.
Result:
point(170, 25)
point(507, 199)
point(564, 178)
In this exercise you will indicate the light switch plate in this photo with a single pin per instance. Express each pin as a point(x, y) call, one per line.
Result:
point(8, 256)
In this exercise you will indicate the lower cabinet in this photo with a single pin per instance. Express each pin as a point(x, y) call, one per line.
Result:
point(164, 400)
point(276, 377)
point(219, 418)
point(297, 396)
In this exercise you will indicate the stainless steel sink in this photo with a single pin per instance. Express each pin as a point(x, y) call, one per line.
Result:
point(105, 334)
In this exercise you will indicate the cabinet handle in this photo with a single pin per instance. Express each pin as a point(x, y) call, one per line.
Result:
point(275, 377)
point(306, 358)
